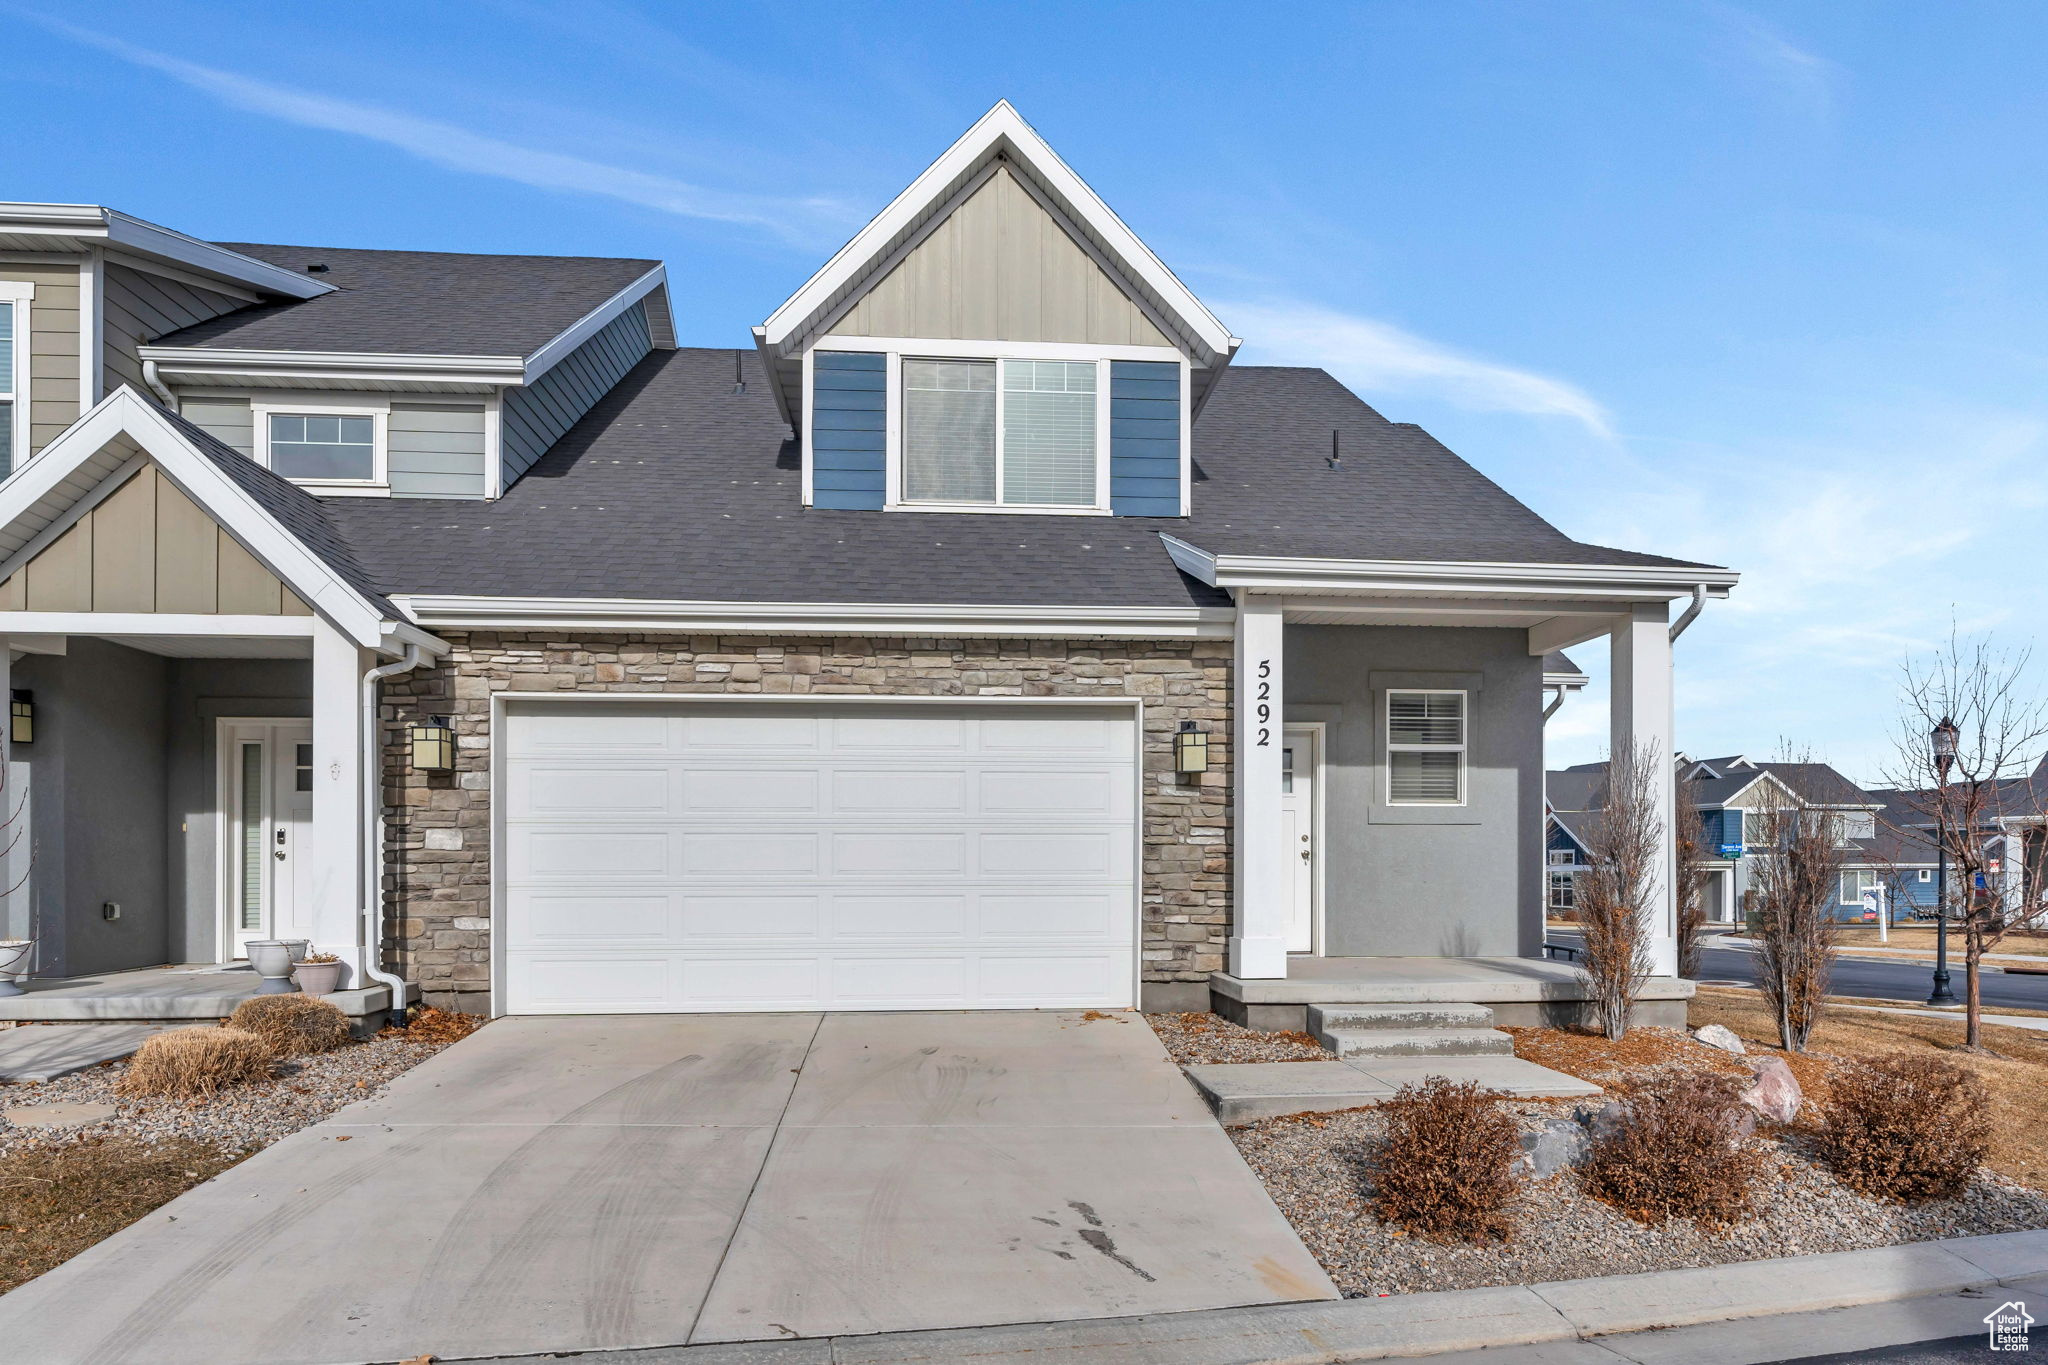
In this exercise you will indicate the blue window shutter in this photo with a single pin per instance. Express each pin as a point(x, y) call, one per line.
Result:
point(849, 445)
point(1144, 438)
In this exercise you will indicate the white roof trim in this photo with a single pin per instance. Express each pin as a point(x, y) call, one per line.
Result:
point(44, 489)
point(593, 322)
point(157, 242)
point(841, 618)
point(1000, 129)
point(1276, 573)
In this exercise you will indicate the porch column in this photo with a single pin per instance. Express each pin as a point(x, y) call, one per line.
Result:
point(1258, 948)
point(336, 846)
point(1642, 717)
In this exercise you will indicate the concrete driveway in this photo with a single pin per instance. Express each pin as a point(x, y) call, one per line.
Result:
point(582, 1183)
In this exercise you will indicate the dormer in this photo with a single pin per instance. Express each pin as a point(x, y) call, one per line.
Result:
point(996, 340)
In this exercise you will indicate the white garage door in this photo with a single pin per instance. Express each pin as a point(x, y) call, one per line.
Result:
point(784, 856)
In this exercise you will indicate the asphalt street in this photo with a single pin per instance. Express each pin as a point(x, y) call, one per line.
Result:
point(1906, 982)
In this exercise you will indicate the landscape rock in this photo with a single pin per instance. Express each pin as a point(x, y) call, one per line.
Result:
point(1720, 1036)
point(1775, 1094)
point(1551, 1146)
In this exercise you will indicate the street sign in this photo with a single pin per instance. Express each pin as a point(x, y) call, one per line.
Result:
point(1731, 850)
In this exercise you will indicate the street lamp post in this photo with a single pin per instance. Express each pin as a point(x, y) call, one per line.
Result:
point(1943, 741)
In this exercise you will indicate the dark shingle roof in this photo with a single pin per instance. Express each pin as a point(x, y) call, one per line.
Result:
point(674, 487)
point(419, 302)
point(1558, 662)
point(301, 514)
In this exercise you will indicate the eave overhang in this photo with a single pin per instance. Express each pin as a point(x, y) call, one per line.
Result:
point(77, 226)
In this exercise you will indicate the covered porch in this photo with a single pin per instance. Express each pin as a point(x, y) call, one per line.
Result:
point(1387, 754)
point(191, 763)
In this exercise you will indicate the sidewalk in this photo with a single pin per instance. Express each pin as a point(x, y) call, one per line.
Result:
point(1881, 954)
point(1747, 1312)
point(2002, 1020)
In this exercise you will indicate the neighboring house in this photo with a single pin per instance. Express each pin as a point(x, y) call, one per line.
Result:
point(442, 610)
point(1884, 866)
point(2014, 831)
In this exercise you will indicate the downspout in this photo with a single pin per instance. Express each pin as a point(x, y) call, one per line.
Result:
point(157, 385)
point(1699, 602)
point(1555, 702)
point(371, 918)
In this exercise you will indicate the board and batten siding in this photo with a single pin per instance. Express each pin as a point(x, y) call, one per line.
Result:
point(146, 547)
point(433, 450)
point(537, 416)
point(849, 416)
point(52, 348)
point(1000, 268)
point(139, 308)
point(1144, 438)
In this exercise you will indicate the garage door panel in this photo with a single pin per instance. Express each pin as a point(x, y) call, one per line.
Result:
point(820, 855)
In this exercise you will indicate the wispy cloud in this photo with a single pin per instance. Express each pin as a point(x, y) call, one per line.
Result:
point(1766, 50)
point(1378, 357)
point(804, 221)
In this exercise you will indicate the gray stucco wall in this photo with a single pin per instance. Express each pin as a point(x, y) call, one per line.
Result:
point(1408, 881)
point(202, 692)
point(96, 775)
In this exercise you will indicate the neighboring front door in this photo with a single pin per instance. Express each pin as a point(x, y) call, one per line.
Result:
point(266, 815)
point(1299, 771)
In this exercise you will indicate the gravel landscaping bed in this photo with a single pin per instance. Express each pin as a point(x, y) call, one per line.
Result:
point(1192, 1039)
point(304, 1091)
point(1318, 1169)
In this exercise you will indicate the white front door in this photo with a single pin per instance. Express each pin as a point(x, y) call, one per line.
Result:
point(266, 815)
point(1300, 764)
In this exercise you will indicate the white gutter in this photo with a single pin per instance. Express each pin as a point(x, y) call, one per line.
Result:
point(1279, 573)
point(157, 385)
point(1691, 613)
point(370, 919)
point(830, 618)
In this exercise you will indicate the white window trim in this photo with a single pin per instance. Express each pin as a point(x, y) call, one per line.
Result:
point(1866, 880)
point(378, 409)
point(1461, 748)
point(1926, 874)
point(897, 349)
point(18, 295)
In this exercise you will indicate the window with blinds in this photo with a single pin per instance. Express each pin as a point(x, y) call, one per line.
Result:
point(1009, 432)
point(1425, 748)
point(250, 852)
point(8, 386)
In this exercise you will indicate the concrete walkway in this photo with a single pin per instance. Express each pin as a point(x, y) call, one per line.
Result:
point(2024, 1021)
point(599, 1183)
point(43, 1052)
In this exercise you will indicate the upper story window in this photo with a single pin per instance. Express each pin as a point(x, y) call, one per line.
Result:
point(1007, 432)
point(1425, 748)
point(14, 299)
point(329, 446)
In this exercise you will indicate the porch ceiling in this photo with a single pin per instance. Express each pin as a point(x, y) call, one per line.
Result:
point(216, 646)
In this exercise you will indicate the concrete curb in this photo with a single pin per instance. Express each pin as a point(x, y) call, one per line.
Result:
point(1420, 1324)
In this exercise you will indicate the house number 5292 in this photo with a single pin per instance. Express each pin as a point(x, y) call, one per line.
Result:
point(1264, 696)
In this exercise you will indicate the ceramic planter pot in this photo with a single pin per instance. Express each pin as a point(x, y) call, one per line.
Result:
point(318, 978)
point(271, 959)
point(300, 948)
point(14, 954)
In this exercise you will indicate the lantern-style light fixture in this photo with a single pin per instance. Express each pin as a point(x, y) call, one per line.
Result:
point(1944, 743)
point(433, 745)
point(21, 717)
point(1190, 749)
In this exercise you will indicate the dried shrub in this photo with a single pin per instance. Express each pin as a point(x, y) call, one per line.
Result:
point(293, 1025)
point(1676, 1149)
point(193, 1063)
point(58, 1198)
point(1447, 1168)
point(1904, 1127)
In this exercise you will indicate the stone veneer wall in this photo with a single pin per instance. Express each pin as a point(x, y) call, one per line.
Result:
point(438, 880)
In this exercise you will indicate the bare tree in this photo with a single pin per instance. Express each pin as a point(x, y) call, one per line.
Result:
point(1796, 878)
point(1615, 893)
point(1688, 878)
point(1972, 788)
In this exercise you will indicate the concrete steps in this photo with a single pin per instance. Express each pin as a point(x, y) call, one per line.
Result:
point(1408, 1030)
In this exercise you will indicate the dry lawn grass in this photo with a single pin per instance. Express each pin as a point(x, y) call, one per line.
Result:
point(193, 1063)
point(60, 1198)
point(293, 1025)
point(1920, 938)
point(2015, 1074)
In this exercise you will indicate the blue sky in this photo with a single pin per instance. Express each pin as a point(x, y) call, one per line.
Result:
point(1761, 286)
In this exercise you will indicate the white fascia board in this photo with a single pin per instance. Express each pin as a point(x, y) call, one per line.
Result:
point(224, 363)
point(122, 413)
point(591, 323)
point(1570, 682)
point(774, 380)
point(832, 618)
point(1273, 573)
point(93, 221)
point(1001, 128)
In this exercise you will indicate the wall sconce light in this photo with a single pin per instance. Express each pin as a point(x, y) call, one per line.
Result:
point(21, 717)
point(433, 745)
point(1190, 749)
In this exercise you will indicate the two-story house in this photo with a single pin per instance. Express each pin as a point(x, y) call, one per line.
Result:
point(971, 633)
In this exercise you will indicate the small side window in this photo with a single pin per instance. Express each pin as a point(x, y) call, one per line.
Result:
point(324, 447)
point(1425, 748)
